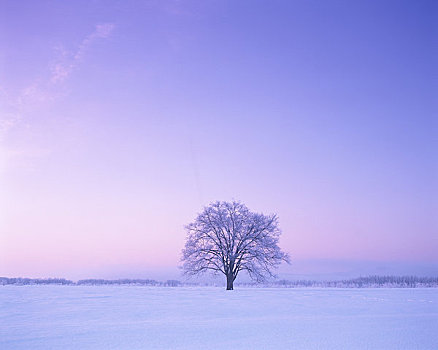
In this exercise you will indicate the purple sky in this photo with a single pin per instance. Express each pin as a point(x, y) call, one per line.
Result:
point(120, 120)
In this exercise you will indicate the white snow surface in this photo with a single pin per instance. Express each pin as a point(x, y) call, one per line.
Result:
point(130, 317)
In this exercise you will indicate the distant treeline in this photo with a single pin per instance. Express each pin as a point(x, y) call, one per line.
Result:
point(136, 282)
point(27, 281)
point(90, 282)
point(361, 282)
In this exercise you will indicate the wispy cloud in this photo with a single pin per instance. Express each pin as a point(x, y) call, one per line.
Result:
point(13, 116)
point(68, 62)
point(42, 92)
point(10, 114)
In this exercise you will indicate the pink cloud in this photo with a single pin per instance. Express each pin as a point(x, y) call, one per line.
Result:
point(62, 69)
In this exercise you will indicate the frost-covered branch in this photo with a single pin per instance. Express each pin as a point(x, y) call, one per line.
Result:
point(228, 238)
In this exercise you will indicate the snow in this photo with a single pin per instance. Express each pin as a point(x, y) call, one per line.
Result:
point(129, 317)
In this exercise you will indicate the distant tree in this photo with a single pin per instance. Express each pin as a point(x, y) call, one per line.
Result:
point(228, 238)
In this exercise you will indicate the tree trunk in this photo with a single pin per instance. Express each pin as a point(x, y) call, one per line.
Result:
point(230, 280)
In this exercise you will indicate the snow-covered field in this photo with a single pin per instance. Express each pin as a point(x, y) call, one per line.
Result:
point(99, 317)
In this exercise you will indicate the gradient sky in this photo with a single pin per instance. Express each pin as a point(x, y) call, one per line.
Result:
point(120, 120)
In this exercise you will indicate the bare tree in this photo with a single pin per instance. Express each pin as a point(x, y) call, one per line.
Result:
point(228, 238)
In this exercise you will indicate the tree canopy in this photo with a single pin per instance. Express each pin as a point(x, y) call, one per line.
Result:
point(226, 237)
